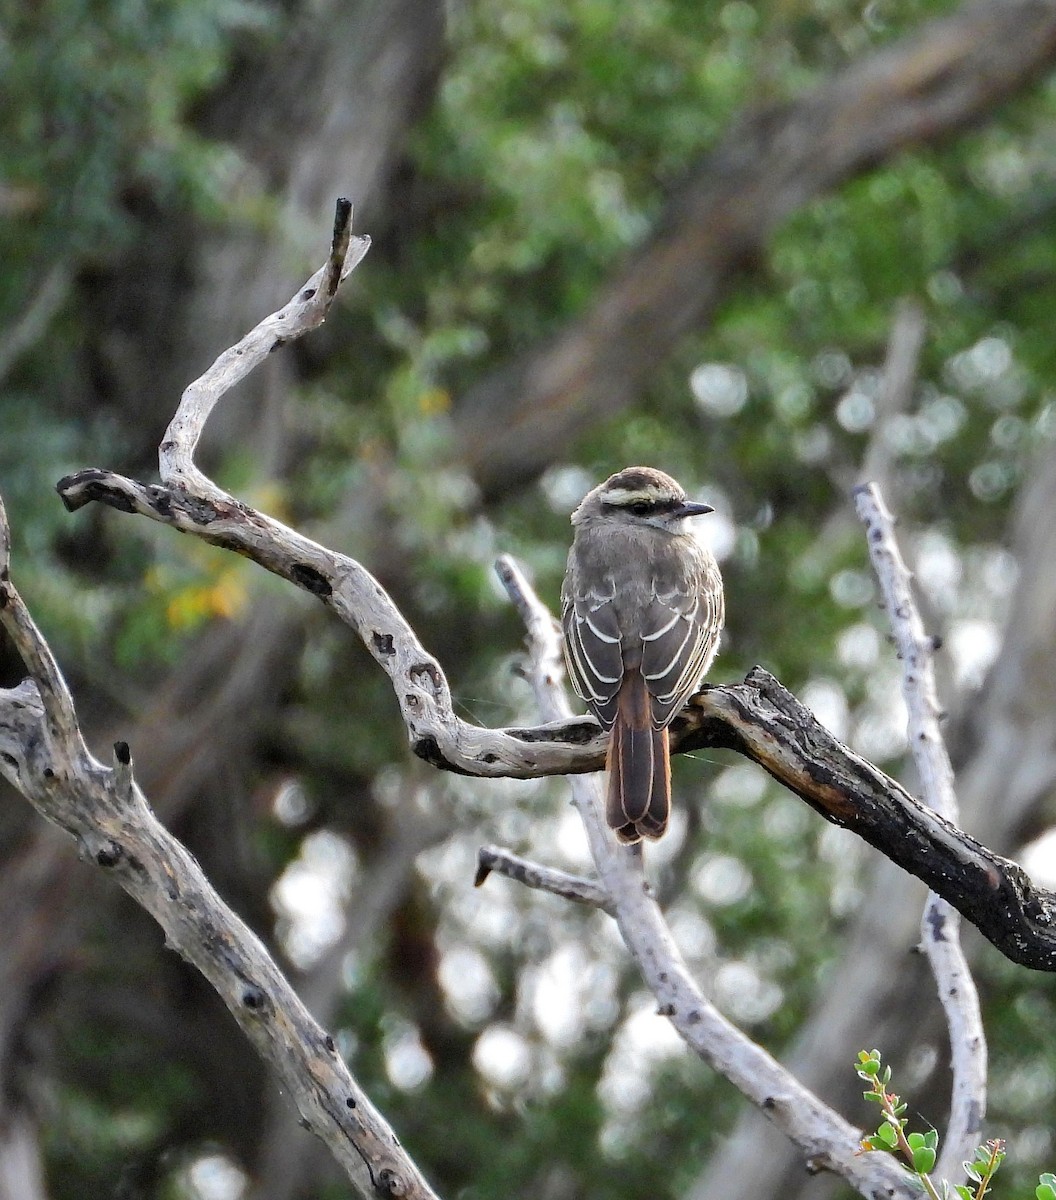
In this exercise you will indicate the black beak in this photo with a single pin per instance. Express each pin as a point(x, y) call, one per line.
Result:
point(689, 508)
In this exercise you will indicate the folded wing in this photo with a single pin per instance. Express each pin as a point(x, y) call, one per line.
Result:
point(680, 634)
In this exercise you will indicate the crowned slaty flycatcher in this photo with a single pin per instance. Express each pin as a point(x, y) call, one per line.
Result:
point(641, 608)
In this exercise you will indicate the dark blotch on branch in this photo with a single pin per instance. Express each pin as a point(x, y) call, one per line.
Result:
point(350, 1102)
point(579, 731)
point(83, 487)
point(253, 998)
point(201, 512)
point(428, 750)
point(391, 1181)
point(308, 293)
point(122, 753)
point(311, 580)
point(162, 502)
point(108, 856)
point(383, 643)
point(430, 671)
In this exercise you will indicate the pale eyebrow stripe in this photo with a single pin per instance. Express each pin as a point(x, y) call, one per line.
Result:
point(622, 496)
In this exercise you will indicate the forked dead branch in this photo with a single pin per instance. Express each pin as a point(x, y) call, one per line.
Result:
point(42, 753)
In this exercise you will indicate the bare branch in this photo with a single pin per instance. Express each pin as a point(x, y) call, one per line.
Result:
point(758, 718)
point(764, 721)
point(940, 924)
point(544, 879)
point(113, 824)
point(896, 390)
point(43, 754)
point(546, 674)
point(42, 751)
point(436, 733)
point(59, 716)
point(827, 1141)
point(306, 311)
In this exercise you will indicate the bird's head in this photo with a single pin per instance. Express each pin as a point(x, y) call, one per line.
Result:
point(639, 496)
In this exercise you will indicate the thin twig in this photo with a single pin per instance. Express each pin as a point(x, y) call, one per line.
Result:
point(306, 311)
point(897, 382)
point(828, 1141)
point(940, 925)
point(544, 879)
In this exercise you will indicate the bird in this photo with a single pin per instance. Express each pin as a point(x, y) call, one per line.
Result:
point(642, 608)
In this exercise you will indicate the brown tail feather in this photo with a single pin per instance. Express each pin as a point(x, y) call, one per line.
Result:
point(639, 797)
point(654, 822)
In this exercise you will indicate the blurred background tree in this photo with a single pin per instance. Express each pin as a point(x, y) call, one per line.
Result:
point(658, 231)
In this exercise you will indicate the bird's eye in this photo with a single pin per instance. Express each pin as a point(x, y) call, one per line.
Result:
point(640, 508)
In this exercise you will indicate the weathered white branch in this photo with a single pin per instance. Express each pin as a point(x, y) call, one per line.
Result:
point(940, 925)
point(43, 755)
point(306, 311)
point(827, 1141)
point(436, 733)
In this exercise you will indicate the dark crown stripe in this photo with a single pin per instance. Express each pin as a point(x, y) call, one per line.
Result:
point(636, 479)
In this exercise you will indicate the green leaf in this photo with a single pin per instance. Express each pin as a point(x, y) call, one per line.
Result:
point(923, 1159)
point(886, 1134)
